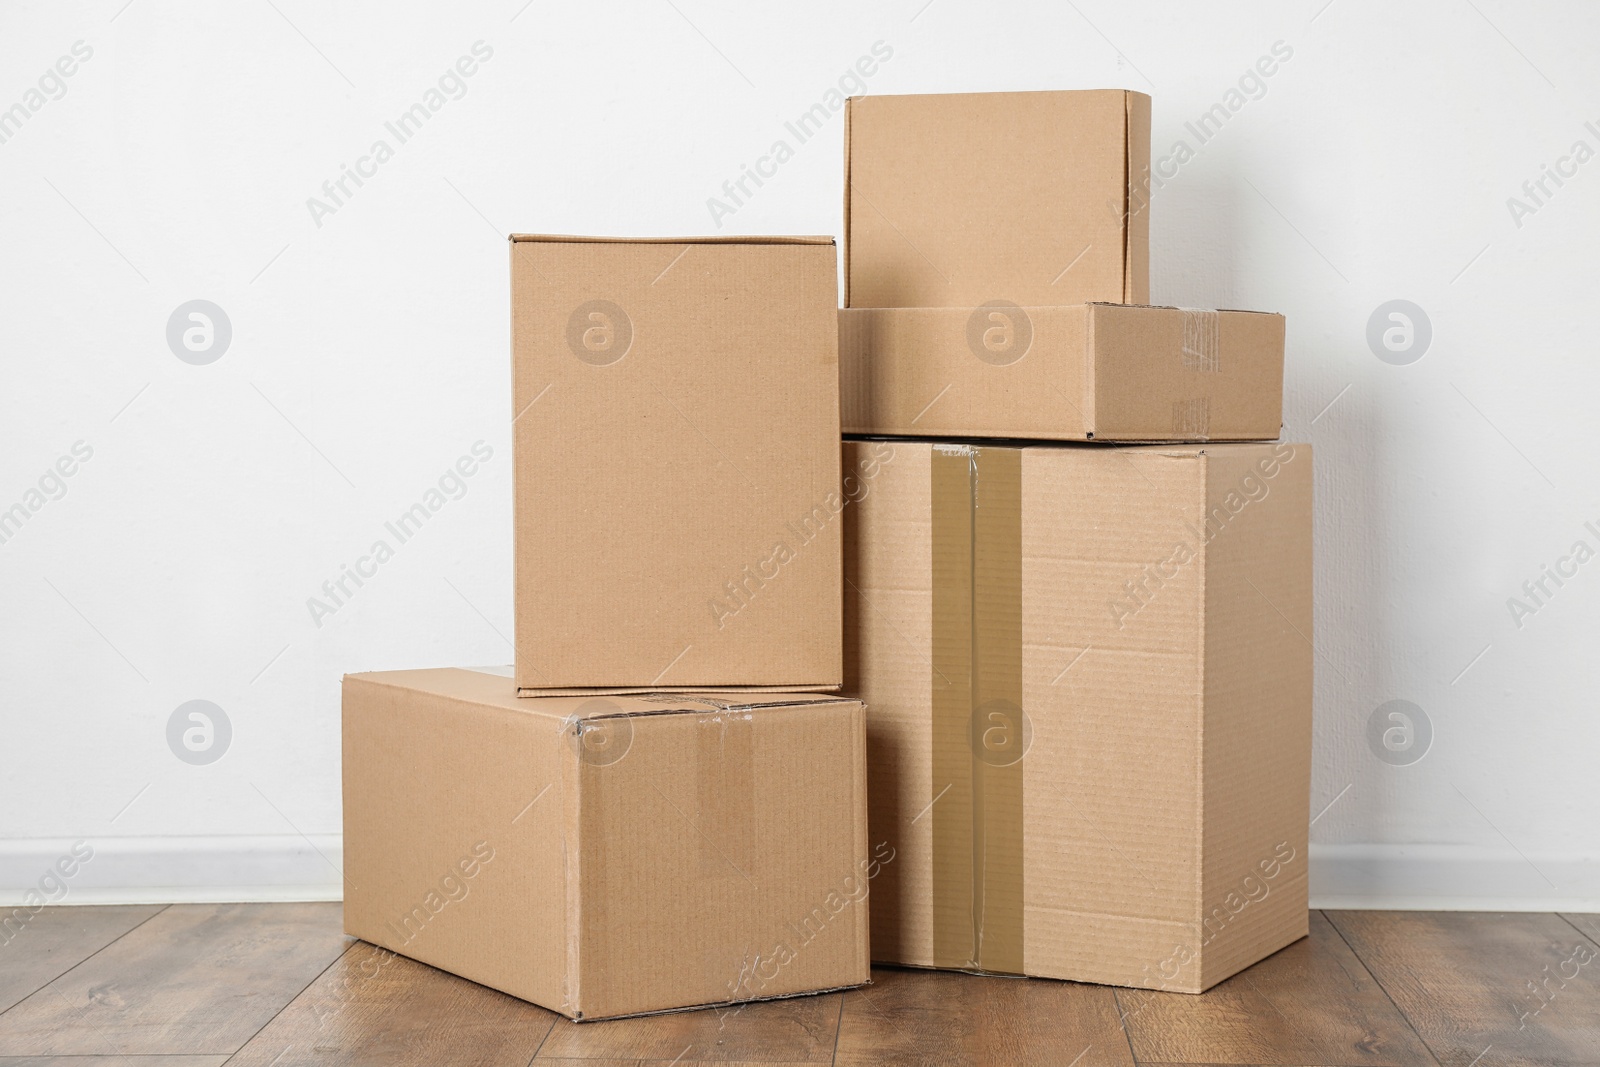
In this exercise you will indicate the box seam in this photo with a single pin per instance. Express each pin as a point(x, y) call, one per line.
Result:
point(1090, 412)
point(1127, 196)
point(848, 106)
point(571, 859)
point(1200, 747)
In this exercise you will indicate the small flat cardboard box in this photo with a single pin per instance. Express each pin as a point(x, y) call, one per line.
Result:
point(1034, 198)
point(1088, 679)
point(1090, 372)
point(607, 856)
point(676, 455)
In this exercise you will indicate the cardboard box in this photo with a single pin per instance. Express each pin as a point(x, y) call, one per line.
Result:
point(1100, 372)
point(676, 450)
point(1088, 679)
point(607, 856)
point(1034, 198)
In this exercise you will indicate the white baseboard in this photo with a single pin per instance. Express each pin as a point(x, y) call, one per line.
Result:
point(172, 870)
point(1452, 878)
point(147, 870)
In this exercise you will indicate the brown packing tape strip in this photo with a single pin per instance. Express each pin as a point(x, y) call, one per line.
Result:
point(951, 492)
point(723, 822)
point(726, 792)
point(1202, 330)
point(1202, 352)
point(979, 731)
point(1191, 418)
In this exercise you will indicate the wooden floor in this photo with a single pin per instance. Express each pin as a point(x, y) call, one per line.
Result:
point(274, 985)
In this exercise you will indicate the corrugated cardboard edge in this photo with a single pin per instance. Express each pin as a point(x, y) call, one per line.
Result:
point(845, 285)
point(757, 239)
point(1136, 224)
point(530, 692)
point(734, 1004)
point(572, 867)
point(708, 696)
point(862, 838)
point(1175, 307)
point(1090, 419)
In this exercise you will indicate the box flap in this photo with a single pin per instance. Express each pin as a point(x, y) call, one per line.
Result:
point(757, 239)
point(487, 689)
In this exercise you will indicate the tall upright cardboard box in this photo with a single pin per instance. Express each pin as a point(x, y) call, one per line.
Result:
point(1088, 679)
point(1030, 199)
point(676, 452)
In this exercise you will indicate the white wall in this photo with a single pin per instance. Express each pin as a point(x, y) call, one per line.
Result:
point(369, 351)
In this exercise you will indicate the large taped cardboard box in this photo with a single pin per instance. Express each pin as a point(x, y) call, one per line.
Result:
point(676, 452)
point(607, 856)
point(1088, 679)
point(1088, 372)
point(1036, 198)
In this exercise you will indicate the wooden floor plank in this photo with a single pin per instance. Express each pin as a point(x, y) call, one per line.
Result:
point(1311, 1003)
point(668, 1063)
point(38, 947)
point(112, 1061)
point(1497, 990)
point(932, 1017)
point(197, 979)
point(793, 1030)
point(373, 1006)
point(183, 987)
point(1588, 925)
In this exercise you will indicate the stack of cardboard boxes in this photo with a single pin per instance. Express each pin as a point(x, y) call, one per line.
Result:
point(1076, 736)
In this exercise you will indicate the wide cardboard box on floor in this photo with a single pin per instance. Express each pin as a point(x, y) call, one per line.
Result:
point(676, 452)
point(607, 856)
point(1036, 198)
point(1101, 372)
point(1088, 679)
